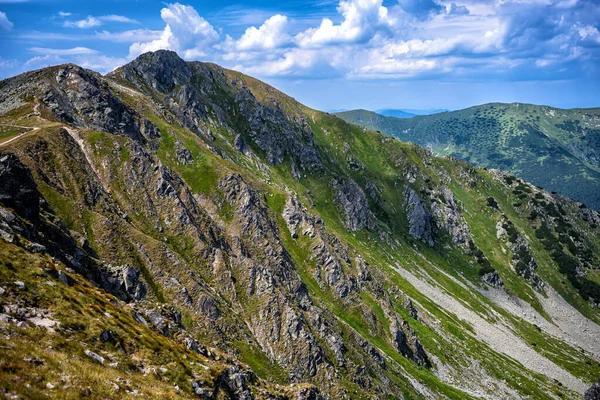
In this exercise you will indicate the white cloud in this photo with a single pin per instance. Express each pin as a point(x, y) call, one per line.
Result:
point(63, 52)
point(118, 18)
point(89, 22)
point(185, 32)
point(100, 63)
point(64, 14)
point(408, 39)
point(589, 33)
point(5, 24)
point(271, 34)
point(44, 61)
point(92, 61)
point(362, 20)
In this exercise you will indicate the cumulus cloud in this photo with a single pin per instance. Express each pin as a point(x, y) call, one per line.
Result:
point(185, 32)
point(271, 34)
point(406, 39)
point(362, 20)
point(5, 24)
point(421, 8)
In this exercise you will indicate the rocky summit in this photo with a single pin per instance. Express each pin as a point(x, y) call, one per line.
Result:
point(178, 230)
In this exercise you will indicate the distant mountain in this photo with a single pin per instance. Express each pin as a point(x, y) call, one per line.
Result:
point(429, 111)
point(395, 113)
point(406, 112)
point(554, 148)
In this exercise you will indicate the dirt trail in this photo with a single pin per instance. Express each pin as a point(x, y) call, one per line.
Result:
point(32, 129)
point(81, 143)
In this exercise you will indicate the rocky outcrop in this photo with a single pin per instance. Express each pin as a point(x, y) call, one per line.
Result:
point(352, 205)
point(183, 155)
point(448, 217)
point(406, 341)
point(18, 191)
point(420, 219)
point(593, 393)
point(240, 144)
point(276, 134)
point(523, 262)
point(493, 279)
point(124, 282)
point(39, 229)
point(80, 98)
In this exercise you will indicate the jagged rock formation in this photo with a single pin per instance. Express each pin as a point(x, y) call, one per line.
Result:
point(201, 209)
point(523, 263)
point(420, 220)
point(352, 203)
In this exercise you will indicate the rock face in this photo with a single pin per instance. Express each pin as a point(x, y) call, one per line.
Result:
point(80, 98)
point(420, 220)
point(17, 188)
point(352, 205)
point(18, 191)
point(523, 262)
point(493, 279)
point(593, 393)
point(124, 282)
point(448, 218)
point(184, 156)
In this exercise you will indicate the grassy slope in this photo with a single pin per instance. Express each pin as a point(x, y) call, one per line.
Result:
point(34, 358)
point(554, 148)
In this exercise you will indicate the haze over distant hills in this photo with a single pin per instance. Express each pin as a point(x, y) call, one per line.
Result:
point(557, 149)
point(398, 113)
point(407, 112)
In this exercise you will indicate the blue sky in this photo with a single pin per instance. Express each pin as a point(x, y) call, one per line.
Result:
point(335, 54)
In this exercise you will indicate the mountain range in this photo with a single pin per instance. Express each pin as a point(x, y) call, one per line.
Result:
point(179, 230)
point(553, 148)
point(406, 113)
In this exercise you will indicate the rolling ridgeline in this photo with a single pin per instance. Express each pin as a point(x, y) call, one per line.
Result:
point(178, 230)
point(554, 148)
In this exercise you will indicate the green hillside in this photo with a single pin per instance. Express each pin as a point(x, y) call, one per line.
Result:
point(553, 148)
point(210, 237)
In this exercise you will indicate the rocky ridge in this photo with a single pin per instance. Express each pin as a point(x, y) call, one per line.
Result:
point(227, 216)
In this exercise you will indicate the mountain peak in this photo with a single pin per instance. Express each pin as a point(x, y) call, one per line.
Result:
point(162, 69)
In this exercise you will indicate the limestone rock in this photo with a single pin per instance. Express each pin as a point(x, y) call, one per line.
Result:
point(420, 220)
point(352, 205)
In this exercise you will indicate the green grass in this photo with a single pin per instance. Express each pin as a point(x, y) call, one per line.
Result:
point(540, 144)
